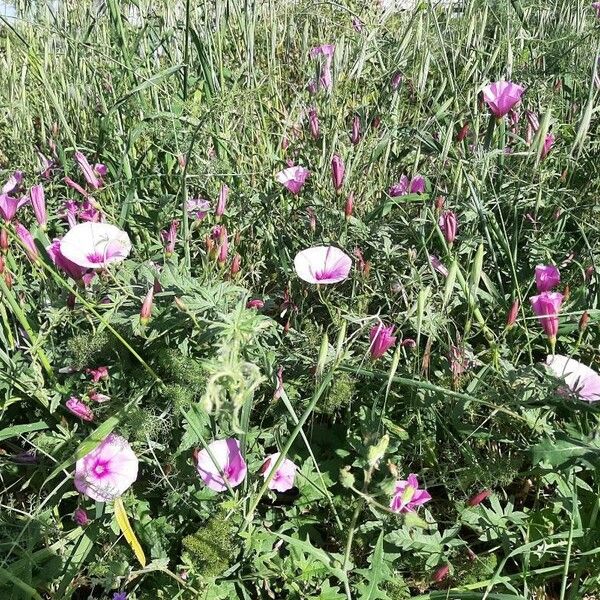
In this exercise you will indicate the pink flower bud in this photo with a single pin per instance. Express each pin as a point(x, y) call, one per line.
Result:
point(146, 310)
point(27, 241)
point(462, 133)
point(222, 202)
point(349, 207)
point(396, 80)
point(235, 265)
point(80, 517)
point(38, 203)
point(511, 317)
point(79, 409)
point(98, 397)
point(441, 573)
point(337, 172)
point(448, 224)
point(255, 304)
point(169, 238)
point(584, 320)
point(479, 497)
point(355, 134)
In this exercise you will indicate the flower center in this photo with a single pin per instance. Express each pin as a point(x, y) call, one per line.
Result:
point(100, 469)
point(408, 493)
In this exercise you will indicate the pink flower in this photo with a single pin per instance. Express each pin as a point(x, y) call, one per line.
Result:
point(357, 24)
point(408, 186)
point(98, 397)
point(501, 96)
point(169, 237)
point(437, 264)
point(337, 172)
point(313, 123)
point(407, 495)
point(95, 245)
point(64, 264)
point(13, 185)
point(89, 212)
point(76, 187)
point(580, 379)
point(10, 205)
point(596, 7)
point(108, 471)
point(382, 339)
point(355, 133)
point(198, 208)
point(98, 373)
point(322, 264)
point(283, 480)
point(80, 517)
point(548, 143)
point(293, 178)
point(79, 409)
point(38, 203)
point(448, 224)
point(546, 306)
point(71, 212)
point(327, 51)
point(230, 465)
point(222, 201)
point(546, 277)
point(88, 172)
point(27, 240)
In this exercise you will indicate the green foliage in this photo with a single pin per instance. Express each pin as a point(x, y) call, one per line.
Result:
point(209, 550)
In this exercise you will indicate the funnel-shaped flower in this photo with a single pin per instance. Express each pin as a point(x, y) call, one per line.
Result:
point(198, 208)
point(337, 172)
point(47, 165)
point(322, 264)
point(88, 172)
point(382, 339)
point(501, 96)
point(416, 185)
point(9, 206)
point(283, 479)
point(108, 471)
point(293, 178)
point(38, 203)
point(64, 264)
point(13, 185)
point(548, 143)
point(327, 51)
point(580, 379)
point(546, 306)
point(95, 245)
point(407, 495)
point(169, 237)
point(546, 277)
point(229, 464)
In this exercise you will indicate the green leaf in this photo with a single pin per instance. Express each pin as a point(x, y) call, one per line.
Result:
point(15, 430)
point(374, 576)
point(556, 452)
point(333, 562)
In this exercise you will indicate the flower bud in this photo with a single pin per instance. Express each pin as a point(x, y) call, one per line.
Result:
point(235, 265)
point(349, 207)
point(511, 317)
point(441, 573)
point(584, 320)
point(146, 310)
point(479, 498)
point(463, 132)
point(80, 517)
